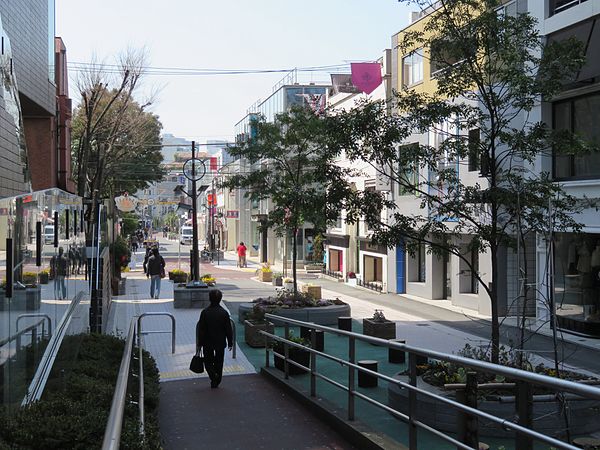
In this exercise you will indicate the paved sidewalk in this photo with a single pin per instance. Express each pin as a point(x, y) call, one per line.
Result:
point(245, 412)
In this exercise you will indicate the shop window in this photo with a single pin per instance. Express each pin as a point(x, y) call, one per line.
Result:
point(578, 116)
point(576, 281)
point(412, 68)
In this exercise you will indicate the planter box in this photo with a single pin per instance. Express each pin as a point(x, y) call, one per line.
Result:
point(43, 278)
point(277, 281)
point(29, 299)
point(267, 277)
point(295, 354)
point(288, 286)
point(178, 278)
point(313, 291)
point(383, 330)
point(322, 315)
point(251, 333)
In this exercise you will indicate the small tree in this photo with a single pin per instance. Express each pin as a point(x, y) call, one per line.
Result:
point(492, 70)
point(297, 173)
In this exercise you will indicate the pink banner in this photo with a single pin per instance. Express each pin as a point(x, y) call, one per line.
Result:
point(366, 76)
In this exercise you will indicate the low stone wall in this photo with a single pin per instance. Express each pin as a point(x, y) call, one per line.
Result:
point(584, 416)
point(321, 315)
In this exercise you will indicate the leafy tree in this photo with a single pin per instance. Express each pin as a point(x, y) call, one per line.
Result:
point(129, 223)
point(492, 70)
point(297, 173)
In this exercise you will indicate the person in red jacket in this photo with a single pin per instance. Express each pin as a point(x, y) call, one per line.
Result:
point(241, 251)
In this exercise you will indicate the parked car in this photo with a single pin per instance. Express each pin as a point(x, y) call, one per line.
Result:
point(48, 234)
point(186, 235)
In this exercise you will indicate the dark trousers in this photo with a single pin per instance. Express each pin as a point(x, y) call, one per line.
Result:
point(213, 362)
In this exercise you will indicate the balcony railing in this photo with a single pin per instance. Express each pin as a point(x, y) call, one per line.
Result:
point(558, 6)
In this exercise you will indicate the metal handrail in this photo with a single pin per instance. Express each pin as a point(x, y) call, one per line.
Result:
point(172, 331)
point(45, 316)
point(20, 333)
point(112, 433)
point(517, 374)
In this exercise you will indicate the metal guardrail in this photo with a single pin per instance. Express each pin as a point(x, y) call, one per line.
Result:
point(332, 274)
point(45, 316)
point(112, 433)
point(17, 336)
point(524, 434)
point(38, 383)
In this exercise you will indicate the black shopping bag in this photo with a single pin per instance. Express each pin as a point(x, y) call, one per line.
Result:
point(197, 363)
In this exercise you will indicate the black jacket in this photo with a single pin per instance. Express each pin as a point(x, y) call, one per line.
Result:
point(214, 328)
point(155, 264)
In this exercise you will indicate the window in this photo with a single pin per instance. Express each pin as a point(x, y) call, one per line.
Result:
point(412, 68)
point(443, 54)
point(368, 189)
point(578, 116)
point(557, 6)
point(409, 174)
point(421, 263)
point(474, 271)
point(474, 150)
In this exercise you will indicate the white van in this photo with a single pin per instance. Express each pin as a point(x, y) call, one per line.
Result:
point(49, 234)
point(186, 234)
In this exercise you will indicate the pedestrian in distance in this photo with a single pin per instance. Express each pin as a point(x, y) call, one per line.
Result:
point(59, 265)
point(154, 268)
point(241, 251)
point(213, 334)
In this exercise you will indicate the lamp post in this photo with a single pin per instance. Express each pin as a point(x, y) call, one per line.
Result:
point(194, 169)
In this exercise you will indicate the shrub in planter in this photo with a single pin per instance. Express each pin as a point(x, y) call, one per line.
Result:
point(254, 323)
point(296, 354)
point(265, 273)
point(208, 279)
point(178, 276)
point(29, 278)
point(378, 326)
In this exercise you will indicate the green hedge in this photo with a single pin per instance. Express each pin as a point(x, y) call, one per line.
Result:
point(73, 412)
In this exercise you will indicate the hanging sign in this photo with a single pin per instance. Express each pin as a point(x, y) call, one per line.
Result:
point(126, 203)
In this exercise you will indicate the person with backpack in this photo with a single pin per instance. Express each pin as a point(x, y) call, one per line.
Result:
point(154, 268)
point(59, 265)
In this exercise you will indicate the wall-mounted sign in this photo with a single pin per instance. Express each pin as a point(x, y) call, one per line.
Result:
point(232, 214)
point(126, 203)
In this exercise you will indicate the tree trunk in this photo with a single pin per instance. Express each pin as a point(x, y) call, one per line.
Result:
point(294, 255)
point(494, 304)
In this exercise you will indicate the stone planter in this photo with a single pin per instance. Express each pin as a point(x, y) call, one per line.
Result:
point(29, 299)
point(251, 332)
point(295, 354)
point(585, 418)
point(277, 281)
point(322, 315)
point(178, 278)
point(266, 277)
point(383, 330)
point(313, 291)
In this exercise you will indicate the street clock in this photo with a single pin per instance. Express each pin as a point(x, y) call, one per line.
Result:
point(194, 169)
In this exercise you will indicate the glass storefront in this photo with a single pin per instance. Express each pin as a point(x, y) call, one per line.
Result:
point(48, 265)
point(577, 282)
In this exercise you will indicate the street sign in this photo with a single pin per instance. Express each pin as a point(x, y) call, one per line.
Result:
point(232, 214)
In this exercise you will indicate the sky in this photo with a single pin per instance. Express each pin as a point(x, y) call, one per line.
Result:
point(225, 34)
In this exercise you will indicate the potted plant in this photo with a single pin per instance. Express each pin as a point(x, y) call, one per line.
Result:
point(351, 278)
point(378, 326)
point(312, 290)
point(277, 279)
point(265, 273)
point(296, 354)
point(208, 279)
point(179, 276)
point(254, 323)
point(44, 276)
point(288, 284)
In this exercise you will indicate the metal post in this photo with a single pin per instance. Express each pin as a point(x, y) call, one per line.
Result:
point(194, 262)
point(286, 351)
point(412, 402)
point(313, 363)
point(351, 376)
point(524, 405)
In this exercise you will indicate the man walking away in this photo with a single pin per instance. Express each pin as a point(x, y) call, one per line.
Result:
point(154, 268)
point(59, 266)
point(213, 332)
point(241, 251)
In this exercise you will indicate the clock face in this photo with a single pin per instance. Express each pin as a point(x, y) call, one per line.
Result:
point(194, 169)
